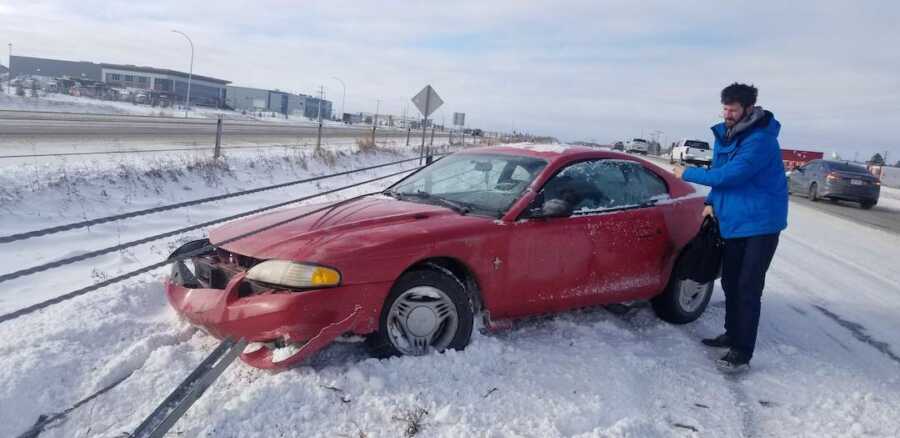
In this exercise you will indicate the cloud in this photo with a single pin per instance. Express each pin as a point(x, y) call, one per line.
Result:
point(578, 69)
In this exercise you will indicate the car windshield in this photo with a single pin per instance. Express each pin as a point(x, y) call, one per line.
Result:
point(847, 167)
point(477, 183)
point(697, 144)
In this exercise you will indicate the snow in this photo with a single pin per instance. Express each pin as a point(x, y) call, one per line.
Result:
point(826, 366)
point(549, 147)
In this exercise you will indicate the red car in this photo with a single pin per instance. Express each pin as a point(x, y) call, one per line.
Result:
point(498, 233)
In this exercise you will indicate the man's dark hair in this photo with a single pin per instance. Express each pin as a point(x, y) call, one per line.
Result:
point(739, 93)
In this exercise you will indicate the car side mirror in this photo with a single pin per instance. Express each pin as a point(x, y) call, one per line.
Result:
point(551, 208)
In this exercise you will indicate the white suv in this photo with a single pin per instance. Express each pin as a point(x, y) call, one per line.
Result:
point(692, 152)
point(638, 145)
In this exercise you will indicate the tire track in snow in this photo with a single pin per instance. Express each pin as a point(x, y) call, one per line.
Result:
point(749, 418)
point(857, 330)
point(891, 284)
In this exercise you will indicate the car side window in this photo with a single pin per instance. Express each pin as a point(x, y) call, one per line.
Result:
point(598, 185)
point(654, 185)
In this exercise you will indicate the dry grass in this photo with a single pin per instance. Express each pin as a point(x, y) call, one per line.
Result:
point(366, 145)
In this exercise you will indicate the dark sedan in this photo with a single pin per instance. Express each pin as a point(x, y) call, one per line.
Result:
point(835, 180)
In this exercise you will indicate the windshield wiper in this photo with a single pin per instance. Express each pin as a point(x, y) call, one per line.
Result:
point(453, 205)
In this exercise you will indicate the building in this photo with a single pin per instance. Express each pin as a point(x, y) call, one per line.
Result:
point(793, 158)
point(311, 108)
point(258, 99)
point(171, 84)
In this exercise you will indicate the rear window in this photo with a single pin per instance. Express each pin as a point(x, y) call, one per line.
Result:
point(847, 167)
point(696, 144)
point(639, 140)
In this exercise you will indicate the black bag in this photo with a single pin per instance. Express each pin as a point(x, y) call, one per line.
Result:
point(701, 259)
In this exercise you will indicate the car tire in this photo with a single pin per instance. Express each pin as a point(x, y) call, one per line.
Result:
point(445, 290)
point(683, 301)
point(867, 205)
point(814, 192)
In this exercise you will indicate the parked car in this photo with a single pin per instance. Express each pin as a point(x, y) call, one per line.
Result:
point(638, 146)
point(619, 146)
point(835, 180)
point(691, 152)
point(496, 233)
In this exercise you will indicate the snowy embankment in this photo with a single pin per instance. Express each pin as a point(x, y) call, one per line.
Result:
point(827, 362)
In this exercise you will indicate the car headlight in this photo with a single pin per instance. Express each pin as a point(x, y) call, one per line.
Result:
point(293, 275)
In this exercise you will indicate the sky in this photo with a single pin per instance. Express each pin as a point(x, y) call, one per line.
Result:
point(576, 70)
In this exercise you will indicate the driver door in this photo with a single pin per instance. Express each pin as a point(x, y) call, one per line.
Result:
point(609, 247)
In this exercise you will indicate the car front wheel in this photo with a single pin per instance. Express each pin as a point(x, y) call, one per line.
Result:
point(426, 310)
point(683, 301)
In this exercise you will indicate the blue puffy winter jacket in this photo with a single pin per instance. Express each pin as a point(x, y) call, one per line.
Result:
point(749, 188)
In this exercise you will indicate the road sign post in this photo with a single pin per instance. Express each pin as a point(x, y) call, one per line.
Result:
point(427, 101)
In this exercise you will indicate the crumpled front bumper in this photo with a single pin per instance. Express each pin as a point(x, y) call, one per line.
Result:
point(304, 322)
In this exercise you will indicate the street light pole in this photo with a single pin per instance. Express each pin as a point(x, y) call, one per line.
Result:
point(187, 99)
point(9, 77)
point(343, 95)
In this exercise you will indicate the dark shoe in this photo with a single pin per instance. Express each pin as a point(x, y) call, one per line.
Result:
point(720, 341)
point(733, 362)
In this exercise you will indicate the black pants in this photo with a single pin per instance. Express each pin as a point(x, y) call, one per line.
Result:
point(744, 264)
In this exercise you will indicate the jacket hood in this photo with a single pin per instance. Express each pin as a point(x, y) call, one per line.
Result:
point(758, 118)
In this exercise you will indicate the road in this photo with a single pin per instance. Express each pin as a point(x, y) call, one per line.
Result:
point(885, 216)
point(26, 132)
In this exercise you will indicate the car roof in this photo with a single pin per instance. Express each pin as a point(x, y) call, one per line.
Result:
point(549, 152)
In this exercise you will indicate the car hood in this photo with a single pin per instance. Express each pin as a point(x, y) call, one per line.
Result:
point(366, 218)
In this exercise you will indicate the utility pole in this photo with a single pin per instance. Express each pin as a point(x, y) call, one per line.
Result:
point(187, 99)
point(319, 116)
point(375, 119)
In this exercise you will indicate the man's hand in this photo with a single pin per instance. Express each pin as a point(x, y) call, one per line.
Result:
point(678, 171)
point(708, 211)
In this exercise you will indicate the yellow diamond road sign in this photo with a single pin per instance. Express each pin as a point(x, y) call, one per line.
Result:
point(427, 101)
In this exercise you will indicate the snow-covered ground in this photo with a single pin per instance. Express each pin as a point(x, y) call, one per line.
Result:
point(828, 361)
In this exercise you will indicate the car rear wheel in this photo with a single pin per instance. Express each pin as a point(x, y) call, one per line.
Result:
point(426, 310)
point(813, 192)
point(683, 301)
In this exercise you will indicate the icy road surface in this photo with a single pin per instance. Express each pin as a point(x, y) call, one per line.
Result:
point(828, 362)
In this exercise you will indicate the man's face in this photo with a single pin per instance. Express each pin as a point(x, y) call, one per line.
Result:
point(732, 113)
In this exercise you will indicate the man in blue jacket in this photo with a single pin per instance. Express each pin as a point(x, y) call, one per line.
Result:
point(749, 197)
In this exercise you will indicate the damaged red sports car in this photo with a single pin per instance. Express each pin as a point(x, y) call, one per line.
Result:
point(496, 233)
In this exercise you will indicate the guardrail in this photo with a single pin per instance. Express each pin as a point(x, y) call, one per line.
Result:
point(192, 388)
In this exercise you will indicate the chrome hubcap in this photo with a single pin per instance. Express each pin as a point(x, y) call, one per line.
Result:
point(691, 294)
point(420, 319)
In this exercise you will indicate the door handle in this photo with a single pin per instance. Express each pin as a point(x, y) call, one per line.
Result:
point(649, 232)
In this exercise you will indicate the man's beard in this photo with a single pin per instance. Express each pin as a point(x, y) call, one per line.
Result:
point(730, 123)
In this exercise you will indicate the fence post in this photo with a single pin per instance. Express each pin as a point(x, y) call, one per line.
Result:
point(217, 152)
point(408, 132)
